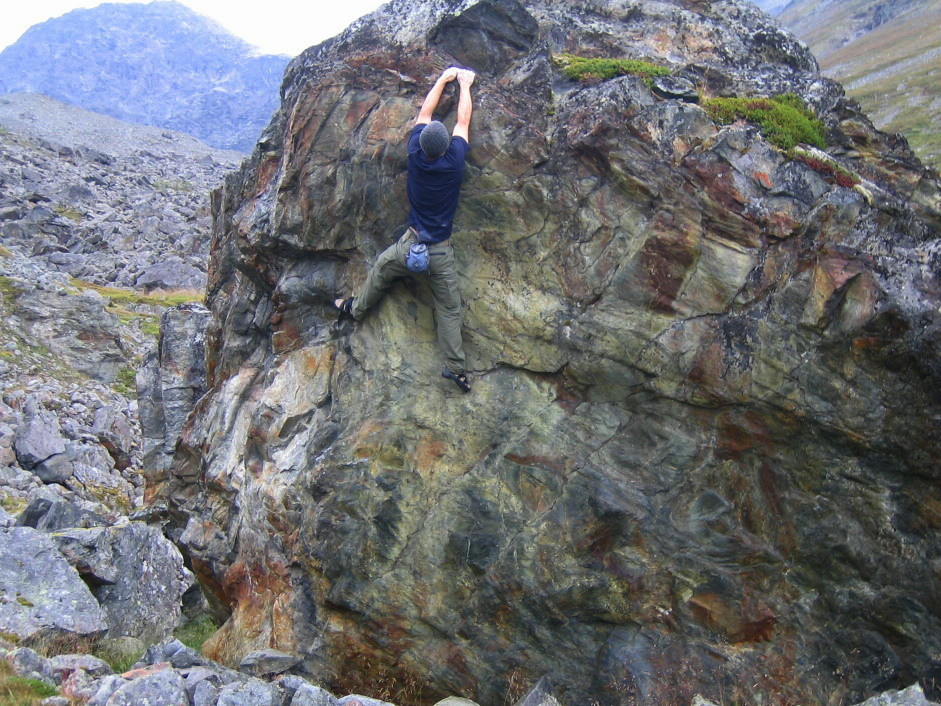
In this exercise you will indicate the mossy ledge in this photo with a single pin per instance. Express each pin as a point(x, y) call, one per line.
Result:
point(580, 68)
point(784, 120)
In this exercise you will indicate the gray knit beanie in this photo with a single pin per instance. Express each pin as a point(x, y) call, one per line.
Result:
point(434, 139)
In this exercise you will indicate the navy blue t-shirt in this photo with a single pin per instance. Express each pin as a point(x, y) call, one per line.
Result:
point(434, 187)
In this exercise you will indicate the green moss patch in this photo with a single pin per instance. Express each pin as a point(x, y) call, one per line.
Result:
point(19, 691)
point(70, 212)
point(783, 120)
point(579, 68)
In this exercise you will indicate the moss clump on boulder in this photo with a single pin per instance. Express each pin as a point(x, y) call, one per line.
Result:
point(580, 68)
point(784, 120)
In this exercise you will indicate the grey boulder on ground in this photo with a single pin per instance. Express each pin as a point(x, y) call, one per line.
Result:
point(39, 445)
point(912, 696)
point(41, 596)
point(162, 688)
point(171, 274)
point(138, 576)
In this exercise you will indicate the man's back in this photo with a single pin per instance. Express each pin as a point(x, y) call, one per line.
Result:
point(434, 187)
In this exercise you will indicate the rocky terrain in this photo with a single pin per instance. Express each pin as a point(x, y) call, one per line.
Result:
point(157, 64)
point(94, 214)
point(699, 461)
point(700, 456)
point(101, 224)
point(886, 54)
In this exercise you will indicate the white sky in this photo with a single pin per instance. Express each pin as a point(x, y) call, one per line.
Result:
point(273, 26)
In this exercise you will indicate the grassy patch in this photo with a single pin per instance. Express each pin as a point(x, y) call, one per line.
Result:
point(783, 120)
point(180, 185)
point(8, 288)
point(128, 297)
point(4, 253)
point(126, 382)
point(73, 214)
point(196, 632)
point(19, 691)
point(12, 504)
point(120, 661)
point(579, 68)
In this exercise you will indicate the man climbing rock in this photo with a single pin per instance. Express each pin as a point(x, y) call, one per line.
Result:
point(435, 171)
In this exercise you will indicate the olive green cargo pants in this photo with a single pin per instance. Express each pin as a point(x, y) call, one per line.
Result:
point(442, 276)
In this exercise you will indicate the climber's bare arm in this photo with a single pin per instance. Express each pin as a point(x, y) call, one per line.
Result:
point(465, 106)
point(434, 96)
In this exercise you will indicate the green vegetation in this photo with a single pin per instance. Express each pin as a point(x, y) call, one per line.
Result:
point(4, 253)
point(8, 288)
point(12, 504)
point(73, 214)
point(196, 632)
point(19, 691)
point(826, 166)
point(180, 185)
point(784, 120)
point(121, 301)
point(126, 382)
point(128, 297)
point(581, 68)
point(120, 661)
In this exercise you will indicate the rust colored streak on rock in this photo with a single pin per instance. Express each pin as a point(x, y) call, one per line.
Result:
point(543, 462)
point(665, 262)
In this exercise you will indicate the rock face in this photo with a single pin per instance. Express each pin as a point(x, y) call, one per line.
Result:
point(157, 64)
point(172, 379)
point(700, 456)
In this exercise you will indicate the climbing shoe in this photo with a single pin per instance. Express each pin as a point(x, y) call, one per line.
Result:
point(460, 379)
point(345, 307)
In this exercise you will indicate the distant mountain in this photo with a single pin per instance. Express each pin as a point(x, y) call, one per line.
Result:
point(158, 64)
point(887, 53)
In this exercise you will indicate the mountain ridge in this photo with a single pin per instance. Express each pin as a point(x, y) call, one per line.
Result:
point(157, 64)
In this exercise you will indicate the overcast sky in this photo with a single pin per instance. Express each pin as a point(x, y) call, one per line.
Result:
point(274, 26)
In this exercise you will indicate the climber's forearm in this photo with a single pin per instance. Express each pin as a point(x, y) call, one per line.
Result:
point(465, 107)
point(434, 97)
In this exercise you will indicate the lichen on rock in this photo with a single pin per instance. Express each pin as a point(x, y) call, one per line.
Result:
point(700, 453)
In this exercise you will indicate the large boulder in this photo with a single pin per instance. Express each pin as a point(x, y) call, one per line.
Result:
point(39, 445)
point(77, 327)
point(42, 598)
point(700, 456)
point(136, 573)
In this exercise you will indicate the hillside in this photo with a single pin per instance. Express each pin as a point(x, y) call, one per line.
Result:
point(887, 55)
point(157, 64)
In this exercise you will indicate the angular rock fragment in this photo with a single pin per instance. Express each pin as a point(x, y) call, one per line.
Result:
point(41, 596)
point(137, 576)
